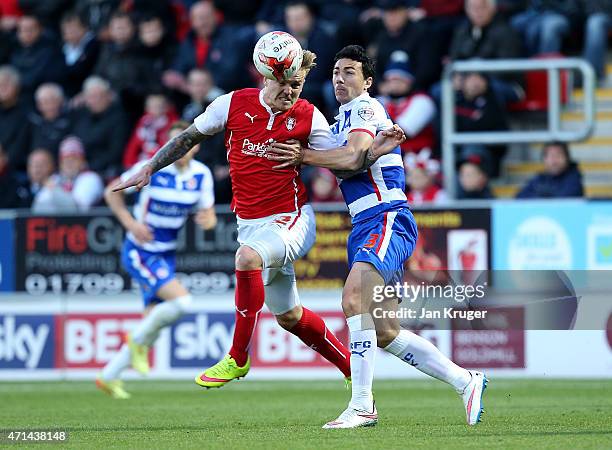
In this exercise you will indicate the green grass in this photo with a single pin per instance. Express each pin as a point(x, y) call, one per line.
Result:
point(523, 414)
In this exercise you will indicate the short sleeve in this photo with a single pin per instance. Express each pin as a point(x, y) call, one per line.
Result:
point(87, 190)
point(207, 200)
point(214, 118)
point(321, 137)
point(364, 118)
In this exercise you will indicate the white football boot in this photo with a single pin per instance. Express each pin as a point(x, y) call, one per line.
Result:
point(355, 418)
point(472, 397)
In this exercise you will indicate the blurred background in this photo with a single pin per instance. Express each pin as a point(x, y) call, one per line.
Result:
point(507, 106)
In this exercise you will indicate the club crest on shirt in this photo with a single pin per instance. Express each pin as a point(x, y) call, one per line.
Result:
point(191, 184)
point(162, 272)
point(366, 112)
point(290, 123)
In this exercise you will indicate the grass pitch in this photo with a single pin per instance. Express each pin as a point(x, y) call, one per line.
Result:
point(288, 415)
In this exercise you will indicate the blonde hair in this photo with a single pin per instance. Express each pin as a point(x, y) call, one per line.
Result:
point(308, 61)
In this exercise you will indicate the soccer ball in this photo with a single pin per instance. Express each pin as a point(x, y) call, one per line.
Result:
point(277, 55)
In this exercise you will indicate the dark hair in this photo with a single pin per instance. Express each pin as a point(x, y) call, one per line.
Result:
point(562, 145)
point(121, 15)
point(150, 17)
point(73, 15)
point(358, 53)
point(309, 5)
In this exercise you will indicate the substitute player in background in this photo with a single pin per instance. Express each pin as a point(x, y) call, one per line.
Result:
point(149, 249)
point(383, 237)
point(275, 225)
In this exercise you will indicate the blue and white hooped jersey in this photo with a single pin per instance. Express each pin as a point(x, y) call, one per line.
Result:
point(381, 187)
point(165, 203)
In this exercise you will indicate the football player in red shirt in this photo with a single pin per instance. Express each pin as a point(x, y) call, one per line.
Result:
point(275, 225)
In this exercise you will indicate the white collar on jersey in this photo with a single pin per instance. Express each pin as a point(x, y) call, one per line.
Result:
point(185, 173)
point(350, 104)
point(270, 112)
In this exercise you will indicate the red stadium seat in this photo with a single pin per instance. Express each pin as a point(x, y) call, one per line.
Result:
point(536, 88)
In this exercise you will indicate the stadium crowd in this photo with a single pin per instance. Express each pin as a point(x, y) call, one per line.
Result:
point(93, 86)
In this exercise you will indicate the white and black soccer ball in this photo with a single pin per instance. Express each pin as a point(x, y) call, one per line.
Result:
point(277, 55)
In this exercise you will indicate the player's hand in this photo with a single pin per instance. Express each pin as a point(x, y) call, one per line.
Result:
point(387, 140)
point(139, 180)
point(206, 218)
point(289, 153)
point(141, 232)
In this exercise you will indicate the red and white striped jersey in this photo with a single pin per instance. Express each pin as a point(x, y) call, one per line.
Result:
point(259, 190)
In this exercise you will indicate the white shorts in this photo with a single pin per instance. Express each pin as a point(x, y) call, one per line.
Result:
point(280, 240)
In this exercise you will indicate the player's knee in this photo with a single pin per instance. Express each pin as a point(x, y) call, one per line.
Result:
point(290, 319)
point(248, 259)
point(184, 302)
point(351, 302)
point(385, 336)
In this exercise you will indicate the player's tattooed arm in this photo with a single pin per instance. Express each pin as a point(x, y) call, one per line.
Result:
point(176, 148)
point(358, 155)
point(369, 159)
point(171, 151)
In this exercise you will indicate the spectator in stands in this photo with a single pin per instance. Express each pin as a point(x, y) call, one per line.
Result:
point(41, 166)
point(324, 186)
point(81, 50)
point(440, 18)
point(240, 12)
point(599, 21)
point(477, 109)
point(221, 50)
point(11, 188)
point(421, 174)
point(51, 123)
point(202, 91)
point(302, 24)
point(102, 127)
point(412, 110)
point(399, 33)
point(560, 178)
point(544, 24)
point(74, 187)
point(121, 64)
point(9, 15)
point(36, 56)
point(6, 46)
point(474, 178)
point(151, 131)
point(157, 47)
point(97, 14)
point(13, 119)
point(48, 12)
point(162, 9)
point(486, 35)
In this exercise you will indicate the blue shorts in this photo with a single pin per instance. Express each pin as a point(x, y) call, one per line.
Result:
point(386, 241)
point(151, 270)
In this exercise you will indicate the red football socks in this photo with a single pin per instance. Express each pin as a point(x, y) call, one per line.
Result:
point(312, 331)
point(249, 301)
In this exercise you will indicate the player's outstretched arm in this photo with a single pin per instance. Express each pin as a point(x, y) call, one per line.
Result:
point(172, 150)
point(360, 152)
point(116, 203)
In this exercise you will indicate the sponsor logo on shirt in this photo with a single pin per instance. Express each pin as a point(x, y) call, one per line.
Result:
point(259, 149)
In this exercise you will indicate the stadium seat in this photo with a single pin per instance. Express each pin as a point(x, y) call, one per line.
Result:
point(536, 89)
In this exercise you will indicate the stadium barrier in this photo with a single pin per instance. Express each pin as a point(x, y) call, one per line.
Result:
point(553, 131)
point(64, 302)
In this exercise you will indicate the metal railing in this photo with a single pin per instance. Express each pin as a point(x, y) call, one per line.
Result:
point(451, 137)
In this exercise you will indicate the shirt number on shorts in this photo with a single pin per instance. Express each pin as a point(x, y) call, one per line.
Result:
point(372, 241)
point(283, 220)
